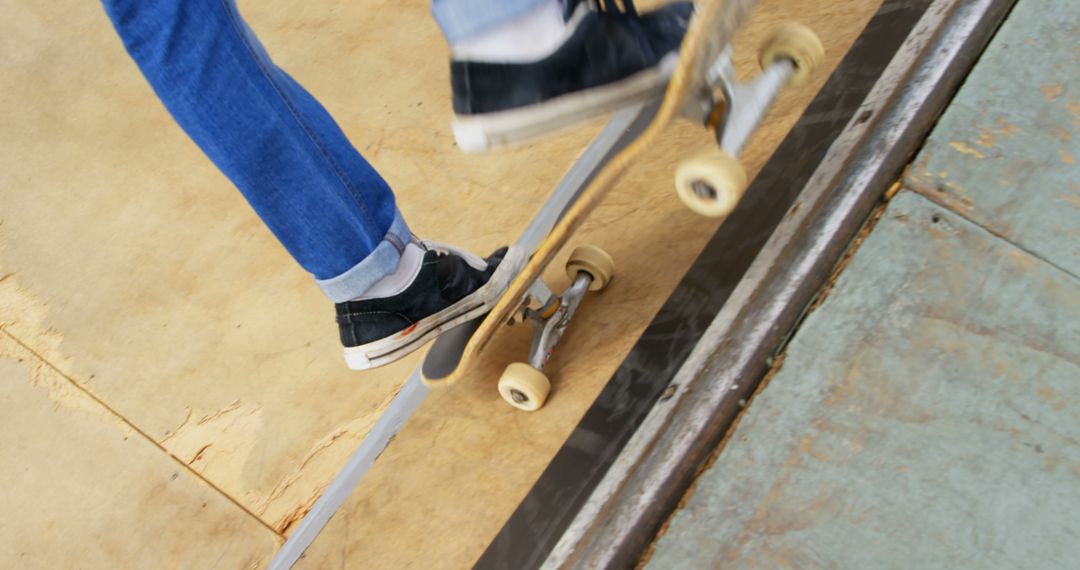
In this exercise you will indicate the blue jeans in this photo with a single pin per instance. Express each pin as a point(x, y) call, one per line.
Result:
point(272, 139)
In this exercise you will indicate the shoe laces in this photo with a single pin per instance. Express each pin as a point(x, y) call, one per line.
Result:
point(613, 7)
point(469, 257)
point(608, 7)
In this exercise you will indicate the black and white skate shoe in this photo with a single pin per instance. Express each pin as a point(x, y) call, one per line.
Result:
point(611, 59)
point(452, 286)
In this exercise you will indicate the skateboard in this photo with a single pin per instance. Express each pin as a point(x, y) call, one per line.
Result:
point(703, 89)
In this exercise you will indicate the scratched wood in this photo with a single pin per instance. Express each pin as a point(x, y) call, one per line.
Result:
point(924, 417)
point(447, 483)
point(1005, 153)
point(81, 489)
point(130, 264)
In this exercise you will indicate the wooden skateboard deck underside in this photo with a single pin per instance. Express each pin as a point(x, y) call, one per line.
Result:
point(711, 29)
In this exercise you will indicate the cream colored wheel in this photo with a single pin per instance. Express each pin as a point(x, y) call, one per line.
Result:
point(524, 387)
point(594, 261)
point(711, 183)
point(797, 43)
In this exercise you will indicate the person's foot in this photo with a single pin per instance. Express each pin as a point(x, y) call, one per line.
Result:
point(449, 288)
point(606, 59)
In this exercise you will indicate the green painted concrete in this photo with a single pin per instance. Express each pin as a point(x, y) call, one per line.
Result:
point(1007, 152)
point(927, 414)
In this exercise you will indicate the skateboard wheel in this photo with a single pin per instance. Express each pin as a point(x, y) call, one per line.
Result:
point(711, 183)
point(524, 387)
point(594, 261)
point(796, 43)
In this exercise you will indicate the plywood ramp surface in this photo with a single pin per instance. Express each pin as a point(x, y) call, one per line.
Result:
point(449, 481)
point(81, 489)
point(133, 266)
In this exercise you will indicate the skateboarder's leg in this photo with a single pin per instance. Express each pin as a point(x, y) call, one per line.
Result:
point(322, 200)
point(274, 141)
point(521, 68)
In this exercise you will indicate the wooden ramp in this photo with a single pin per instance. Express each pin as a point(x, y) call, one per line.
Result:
point(197, 425)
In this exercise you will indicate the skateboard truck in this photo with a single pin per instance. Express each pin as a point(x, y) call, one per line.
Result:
point(552, 319)
point(712, 182)
point(524, 385)
point(742, 106)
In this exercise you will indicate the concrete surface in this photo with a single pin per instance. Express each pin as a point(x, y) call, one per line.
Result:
point(1005, 155)
point(925, 414)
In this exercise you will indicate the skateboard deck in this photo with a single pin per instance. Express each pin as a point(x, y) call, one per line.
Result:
point(628, 136)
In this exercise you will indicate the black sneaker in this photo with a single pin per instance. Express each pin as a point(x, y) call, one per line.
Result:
point(452, 287)
point(612, 59)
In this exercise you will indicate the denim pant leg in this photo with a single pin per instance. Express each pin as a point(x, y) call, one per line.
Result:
point(270, 137)
point(462, 18)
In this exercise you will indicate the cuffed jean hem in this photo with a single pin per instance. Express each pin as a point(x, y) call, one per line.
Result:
point(380, 263)
point(462, 18)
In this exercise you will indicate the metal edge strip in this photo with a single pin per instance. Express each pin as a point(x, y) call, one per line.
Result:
point(411, 395)
point(655, 468)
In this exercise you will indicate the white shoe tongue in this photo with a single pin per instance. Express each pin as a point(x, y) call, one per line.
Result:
point(472, 259)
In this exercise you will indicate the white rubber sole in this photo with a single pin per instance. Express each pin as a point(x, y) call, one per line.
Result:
point(479, 133)
point(393, 348)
